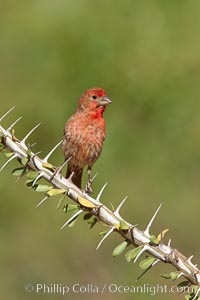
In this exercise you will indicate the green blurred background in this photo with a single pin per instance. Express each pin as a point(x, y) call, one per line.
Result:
point(146, 55)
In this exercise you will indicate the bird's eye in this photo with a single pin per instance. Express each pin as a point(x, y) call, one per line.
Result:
point(94, 97)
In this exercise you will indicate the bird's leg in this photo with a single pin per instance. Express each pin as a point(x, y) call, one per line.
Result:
point(88, 187)
point(70, 177)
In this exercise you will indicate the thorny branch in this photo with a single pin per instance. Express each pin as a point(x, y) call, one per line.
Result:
point(131, 233)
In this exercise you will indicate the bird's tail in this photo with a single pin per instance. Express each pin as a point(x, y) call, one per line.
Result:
point(77, 176)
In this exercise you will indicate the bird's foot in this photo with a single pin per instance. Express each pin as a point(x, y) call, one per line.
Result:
point(88, 187)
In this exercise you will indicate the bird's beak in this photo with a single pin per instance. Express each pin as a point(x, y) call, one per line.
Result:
point(104, 101)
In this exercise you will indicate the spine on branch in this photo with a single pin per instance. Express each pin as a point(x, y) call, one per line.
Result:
point(37, 168)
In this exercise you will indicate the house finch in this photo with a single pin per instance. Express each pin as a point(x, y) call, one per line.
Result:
point(84, 133)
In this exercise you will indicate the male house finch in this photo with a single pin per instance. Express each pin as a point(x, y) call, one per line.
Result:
point(85, 132)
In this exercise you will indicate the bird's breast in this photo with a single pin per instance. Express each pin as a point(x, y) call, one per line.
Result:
point(84, 139)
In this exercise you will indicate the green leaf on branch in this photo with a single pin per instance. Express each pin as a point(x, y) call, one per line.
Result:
point(18, 171)
point(48, 166)
point(172, 275)
point(120, 248)
point(153, 240)
point(123, 225)
point(24, 161)
point(1, 146)
point(70, 207)
point(8, 154)
point(183, 283)
point(131, 254)
point(54, 192)
point(65, 209)
point(42, 188)
point(103, 233)
point(191, 297)
point(61, 201)
point(28, 151)
point(29, 183)
point(146, 263)
point(32, 175)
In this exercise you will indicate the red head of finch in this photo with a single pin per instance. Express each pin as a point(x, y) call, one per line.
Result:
point(85, 133)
